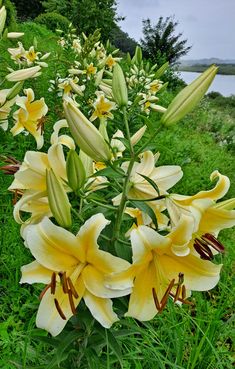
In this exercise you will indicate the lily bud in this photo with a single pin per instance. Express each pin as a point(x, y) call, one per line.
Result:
point(85, 134)
point(75, 171)
point(3, 16)
point(12, 35)
point(137, 58)
point(161, 70)
point(15, 90)
point(23, 74)
point(188, 98)
point(58, 200)
point(138, 135)
point(119, 86)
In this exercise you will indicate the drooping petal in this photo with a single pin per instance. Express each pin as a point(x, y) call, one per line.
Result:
point(199, 275)
point(48, 317)
point(216, 219)
point(101, 309)
point(35, 273)
point(167, 176)
point(52, 246)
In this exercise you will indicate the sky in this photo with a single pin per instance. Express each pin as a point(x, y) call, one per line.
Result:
point(209, 25)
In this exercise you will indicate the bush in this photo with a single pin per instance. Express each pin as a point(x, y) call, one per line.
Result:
point(53, 21)
point(11, 15)
point(28, 9)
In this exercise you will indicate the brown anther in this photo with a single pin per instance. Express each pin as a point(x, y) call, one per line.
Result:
point(71, 302)
point(53, 283)
point(181, 278)
point(72, 288)
point(58, 308)
point(40, 124)
point(166, 295)
point(213, 242)
point(178, 291)
point(156, 301)
point(183, 292)
point(44, 291)
point(202, 249)
point(63, 281)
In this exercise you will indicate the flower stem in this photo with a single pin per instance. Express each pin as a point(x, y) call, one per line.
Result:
point(122, 205)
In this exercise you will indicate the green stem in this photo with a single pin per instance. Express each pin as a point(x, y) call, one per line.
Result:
point(102, 204)
point(122, 205)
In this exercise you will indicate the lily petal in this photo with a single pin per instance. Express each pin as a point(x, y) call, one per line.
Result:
point(101, 309)
point(35, 273)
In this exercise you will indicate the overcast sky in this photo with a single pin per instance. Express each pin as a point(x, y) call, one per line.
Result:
point(209, 25)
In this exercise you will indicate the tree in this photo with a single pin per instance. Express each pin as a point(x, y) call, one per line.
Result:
point(28, 9)
point(87, 15)
point(123, 41)
point(161, 43)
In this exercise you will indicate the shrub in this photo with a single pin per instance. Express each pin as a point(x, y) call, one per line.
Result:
point(53, 21)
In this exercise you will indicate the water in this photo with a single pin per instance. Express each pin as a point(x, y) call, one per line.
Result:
point(224, 84)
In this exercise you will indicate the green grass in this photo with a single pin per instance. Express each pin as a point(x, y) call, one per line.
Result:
point(198, 337)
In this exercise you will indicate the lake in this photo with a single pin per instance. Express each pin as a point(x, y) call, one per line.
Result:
point(224, 84)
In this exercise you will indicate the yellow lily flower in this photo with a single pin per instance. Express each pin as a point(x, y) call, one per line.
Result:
point(164, 176)
point(103, 108)
point(73, 268)
point(31, 179)
point(209, 217)
point(30, 116)
point(159, 273)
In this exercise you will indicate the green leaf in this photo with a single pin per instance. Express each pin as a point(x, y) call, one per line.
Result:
point(109, 172)
point(151, 182)
point(147, 121)
point(146, 209)
point(112, 343)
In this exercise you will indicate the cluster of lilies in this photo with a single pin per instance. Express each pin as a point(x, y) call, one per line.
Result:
point(94, 165)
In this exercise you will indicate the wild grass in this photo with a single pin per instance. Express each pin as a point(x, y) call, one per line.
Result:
point(197, 337)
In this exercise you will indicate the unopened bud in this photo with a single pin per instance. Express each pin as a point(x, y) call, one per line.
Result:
point(85, 134)
point(75, 171)
point(58, 200)
point(12, 35)
point(15, 90)
point(188, 98)
point(3, 16)
point(161, 70)
point(23, 74)
point(119, 86)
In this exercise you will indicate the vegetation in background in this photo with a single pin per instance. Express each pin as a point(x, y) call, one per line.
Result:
point(122, 40)
point(227, 69)
point(87, 15)
point(161, 43)
point(53, 21)
point(28, 9)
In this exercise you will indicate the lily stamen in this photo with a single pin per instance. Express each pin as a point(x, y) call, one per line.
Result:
point(213, 242)
point(63, 281)
point(58, 308)
point(71, 302)
point(156, 301)
point(53, 283)
point(44, 291)
point(203, 249)
point(166, 295)
point(72, 288)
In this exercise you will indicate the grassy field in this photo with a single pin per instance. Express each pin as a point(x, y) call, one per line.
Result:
point(227, 69)
point(197, 337)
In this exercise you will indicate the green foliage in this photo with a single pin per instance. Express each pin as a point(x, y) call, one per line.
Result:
point(122, 40)
point(53, 21)
point(160, 43)
point(11, 15)
point(28, 9)
point(86, 15)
